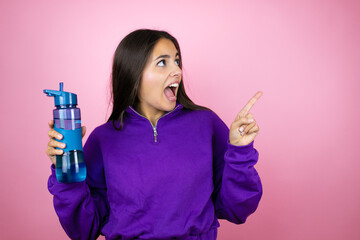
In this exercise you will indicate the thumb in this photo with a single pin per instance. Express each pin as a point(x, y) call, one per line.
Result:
point(83, 131)
point(51, 124)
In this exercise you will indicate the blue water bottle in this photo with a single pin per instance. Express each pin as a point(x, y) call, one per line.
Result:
point(70, 166)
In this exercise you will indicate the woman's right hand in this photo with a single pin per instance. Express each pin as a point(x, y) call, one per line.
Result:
point(51, 150)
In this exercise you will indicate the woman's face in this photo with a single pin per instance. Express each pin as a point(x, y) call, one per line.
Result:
point(161, 70)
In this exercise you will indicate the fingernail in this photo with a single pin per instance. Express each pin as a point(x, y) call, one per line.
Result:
point(250, 120)
point(241, 129)
point(59, 136)
point(62, 145)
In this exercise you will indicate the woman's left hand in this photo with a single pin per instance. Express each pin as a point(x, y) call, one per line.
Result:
point(244, 129)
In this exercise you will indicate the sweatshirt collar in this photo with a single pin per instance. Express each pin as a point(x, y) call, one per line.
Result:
point(134, 114)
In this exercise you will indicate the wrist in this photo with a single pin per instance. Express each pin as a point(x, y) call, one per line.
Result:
point(239, 144)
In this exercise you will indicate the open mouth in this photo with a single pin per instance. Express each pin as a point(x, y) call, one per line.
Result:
point(170, 91)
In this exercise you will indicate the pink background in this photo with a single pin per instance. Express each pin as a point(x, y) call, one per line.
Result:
point(303, 55)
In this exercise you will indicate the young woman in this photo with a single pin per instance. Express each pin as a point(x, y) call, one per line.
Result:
point(162, 167)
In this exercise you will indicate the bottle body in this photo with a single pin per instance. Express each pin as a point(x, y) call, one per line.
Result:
point(70, 166)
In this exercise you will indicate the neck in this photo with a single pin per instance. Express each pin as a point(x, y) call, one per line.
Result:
point(150, 113)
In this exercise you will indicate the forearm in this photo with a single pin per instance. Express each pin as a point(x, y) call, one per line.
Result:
point(241, 187)
point(78, 214)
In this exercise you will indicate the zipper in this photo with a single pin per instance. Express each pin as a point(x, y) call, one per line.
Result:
point(155, 131)
point(154, 127)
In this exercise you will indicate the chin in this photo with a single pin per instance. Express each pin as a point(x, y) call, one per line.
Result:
point(170, 106)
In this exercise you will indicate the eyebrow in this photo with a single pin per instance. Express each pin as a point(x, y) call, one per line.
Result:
point(165, 56)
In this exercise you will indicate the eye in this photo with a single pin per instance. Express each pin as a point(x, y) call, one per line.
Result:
point(177, 62)
point(161, 63)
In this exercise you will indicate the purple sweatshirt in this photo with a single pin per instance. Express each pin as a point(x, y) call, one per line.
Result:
point(169, 181)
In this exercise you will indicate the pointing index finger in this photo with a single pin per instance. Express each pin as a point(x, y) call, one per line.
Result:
point(250, 104)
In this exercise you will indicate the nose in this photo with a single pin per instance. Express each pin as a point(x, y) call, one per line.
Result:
point(176, 71)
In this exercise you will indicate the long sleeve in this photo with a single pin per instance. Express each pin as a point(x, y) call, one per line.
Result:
point(238, 187)
point(82, 207)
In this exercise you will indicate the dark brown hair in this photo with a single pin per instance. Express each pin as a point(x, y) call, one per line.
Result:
point(129, 61)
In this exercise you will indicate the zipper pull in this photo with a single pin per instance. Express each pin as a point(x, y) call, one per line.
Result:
point(155, 134)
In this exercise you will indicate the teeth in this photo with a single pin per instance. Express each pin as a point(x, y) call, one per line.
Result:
point(174, 85)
